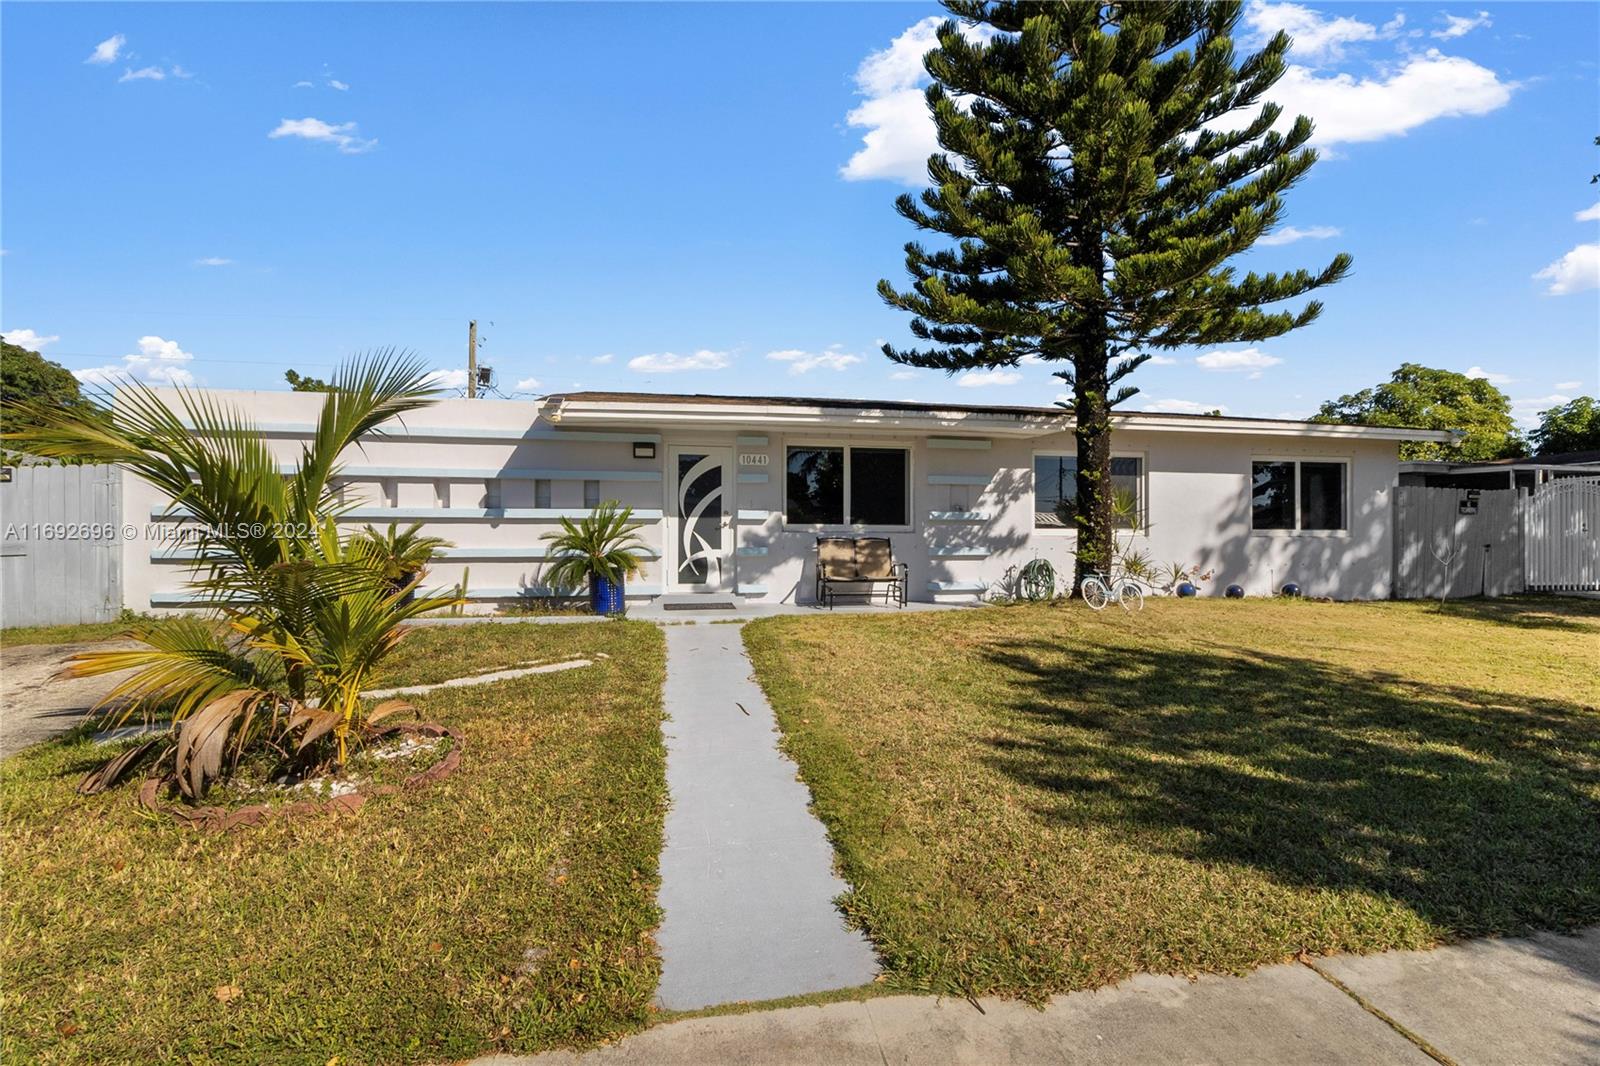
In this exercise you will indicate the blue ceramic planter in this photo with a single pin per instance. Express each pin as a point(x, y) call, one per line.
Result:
point(605, 596)
point(1185, 590)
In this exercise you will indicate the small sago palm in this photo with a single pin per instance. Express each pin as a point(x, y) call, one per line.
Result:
point(298, 616)
point(401, 555)
point(603, 544)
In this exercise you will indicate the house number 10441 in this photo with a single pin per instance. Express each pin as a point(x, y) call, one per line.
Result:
point(752, 459)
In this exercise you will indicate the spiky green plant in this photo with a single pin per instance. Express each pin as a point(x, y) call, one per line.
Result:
point(402, 555)
point(295, 617)
point(604, 544)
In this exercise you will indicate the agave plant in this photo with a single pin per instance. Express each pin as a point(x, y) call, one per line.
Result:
point(603, 544)
point(298, 615)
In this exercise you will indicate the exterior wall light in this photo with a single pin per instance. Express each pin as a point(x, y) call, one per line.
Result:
point(644, 449)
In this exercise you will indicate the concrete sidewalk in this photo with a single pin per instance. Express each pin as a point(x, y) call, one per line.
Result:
point(1534, 1000)
point(747, 881)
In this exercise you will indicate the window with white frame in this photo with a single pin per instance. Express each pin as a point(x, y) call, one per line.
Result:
point(1055, 491)
point(847, 485)
point(1298, 494)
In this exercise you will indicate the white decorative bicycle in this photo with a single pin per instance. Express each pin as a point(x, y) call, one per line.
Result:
point(1098, 590)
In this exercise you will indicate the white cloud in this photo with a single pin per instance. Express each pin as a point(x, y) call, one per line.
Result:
point(1574, 272)
point(1526, 410)
point(107, 50)
point(1161, 360)
point(303, 85)
point(1290, 234)
point(27, 338)
point(670, 363)
point(1422, 88)
point(899, 133)
point(446, 379)
point(335, 83)
point(803, 362)
point(342, 135)
point(1315, 36)
point(1589, 214)
point(1568, 386)
point(1461, 25)
point(602, 360)
point(179, 72)
point(1491, 378)
point(1183, 407)
point(143, 74)
point(213, 261)
point(903, 375)
point(978, 379)
point(526, 385)
point(1246, 360)
point(157, 362)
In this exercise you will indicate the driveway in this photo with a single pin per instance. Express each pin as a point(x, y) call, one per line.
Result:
point(34, 704)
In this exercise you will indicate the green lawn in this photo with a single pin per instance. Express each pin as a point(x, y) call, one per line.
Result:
point(1031, 800)
point(63, 634)
point(508, 907)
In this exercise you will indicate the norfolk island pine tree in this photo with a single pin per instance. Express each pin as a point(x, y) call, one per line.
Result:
point(1101, 164)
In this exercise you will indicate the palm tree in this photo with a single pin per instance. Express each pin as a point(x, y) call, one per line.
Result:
point(299, 616)
point(402, 554)
point(603, 546)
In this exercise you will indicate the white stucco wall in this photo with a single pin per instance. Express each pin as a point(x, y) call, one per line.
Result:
point(1197, 486)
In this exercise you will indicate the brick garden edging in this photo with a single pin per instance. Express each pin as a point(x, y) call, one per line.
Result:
point(223, 820)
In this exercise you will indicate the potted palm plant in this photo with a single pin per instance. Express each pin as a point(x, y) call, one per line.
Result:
point(401, 556)
point(603, 548)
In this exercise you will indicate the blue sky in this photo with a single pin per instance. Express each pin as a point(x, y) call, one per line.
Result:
point(698, 198)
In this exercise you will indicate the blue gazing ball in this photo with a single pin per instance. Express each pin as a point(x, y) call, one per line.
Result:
point(1291, 589)
point(1235, 592)
point(1186, 589)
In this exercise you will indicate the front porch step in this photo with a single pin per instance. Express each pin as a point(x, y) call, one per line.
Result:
point(697, 601)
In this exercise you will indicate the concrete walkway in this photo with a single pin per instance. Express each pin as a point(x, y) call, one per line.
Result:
point(747, 881)
point(1487, 1002)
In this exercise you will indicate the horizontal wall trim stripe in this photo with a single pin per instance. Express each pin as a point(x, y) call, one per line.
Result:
point(750, 441)
point(959, 479)
point(977, 444)
point(960, 553)
point(411, 473)
point(752, 479)
point(751, 549)
point(752, 590)
point(305, 429)
point(958, 516)
point(957, 586)
point(542, 592)
point(751, 516)
point(447, 514)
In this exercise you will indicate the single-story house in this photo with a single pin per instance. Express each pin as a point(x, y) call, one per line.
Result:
point(733, 492)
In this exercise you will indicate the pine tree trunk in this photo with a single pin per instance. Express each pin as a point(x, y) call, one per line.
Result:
point(1093, 430)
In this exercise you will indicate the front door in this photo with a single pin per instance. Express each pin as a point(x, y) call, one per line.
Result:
point(700, 520)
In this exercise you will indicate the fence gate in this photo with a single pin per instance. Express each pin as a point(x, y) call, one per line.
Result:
point(1455, 542)
point(60, 545)
point(1563, 536)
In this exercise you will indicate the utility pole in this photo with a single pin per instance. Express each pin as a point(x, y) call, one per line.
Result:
point(472, 360)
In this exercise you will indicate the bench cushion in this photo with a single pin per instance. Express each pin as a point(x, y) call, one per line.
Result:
point(836, 558)
point(874, 561)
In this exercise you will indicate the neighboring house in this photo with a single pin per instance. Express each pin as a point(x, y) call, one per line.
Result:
point(1501, 473)
point(734, 491)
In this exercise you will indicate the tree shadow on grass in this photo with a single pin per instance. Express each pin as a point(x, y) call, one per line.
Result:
point(1479, 811)
point(1567, 613)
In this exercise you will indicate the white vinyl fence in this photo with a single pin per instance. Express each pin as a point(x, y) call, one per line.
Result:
point(1495, 542)
point(60, 545)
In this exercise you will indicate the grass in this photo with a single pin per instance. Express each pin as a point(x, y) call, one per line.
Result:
point(1034, 800)
point(507, 908)
point(63, 634)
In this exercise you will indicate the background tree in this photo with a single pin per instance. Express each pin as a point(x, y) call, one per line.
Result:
point(1572, 427)
point(1427, 398)
point(299, 383)
point(28, 377)
point(1102, 163)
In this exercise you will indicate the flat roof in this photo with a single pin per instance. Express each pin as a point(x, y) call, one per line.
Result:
point(1016, 411)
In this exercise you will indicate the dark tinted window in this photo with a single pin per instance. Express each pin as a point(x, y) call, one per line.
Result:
point(1127, 489)
point(816, 486)
point(878, 487)
point(1322, 496)
point(1055, 490)
point(1272, 495)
